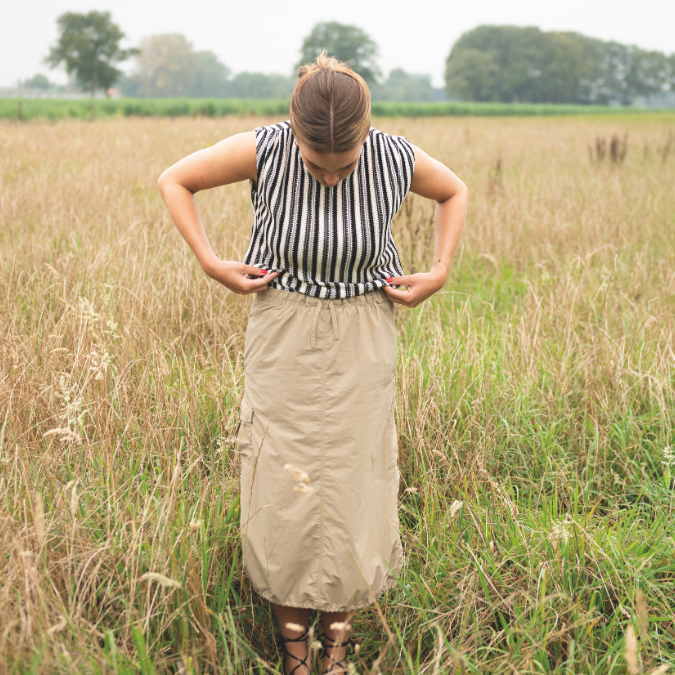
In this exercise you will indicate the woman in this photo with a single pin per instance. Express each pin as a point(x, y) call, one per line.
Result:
point(320, 353)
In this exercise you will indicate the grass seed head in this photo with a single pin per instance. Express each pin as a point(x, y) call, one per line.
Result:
point(631, 652)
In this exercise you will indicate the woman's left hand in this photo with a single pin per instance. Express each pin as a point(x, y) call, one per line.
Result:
point(420, 286)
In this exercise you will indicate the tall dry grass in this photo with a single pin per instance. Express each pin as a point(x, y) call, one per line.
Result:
point(535, 409)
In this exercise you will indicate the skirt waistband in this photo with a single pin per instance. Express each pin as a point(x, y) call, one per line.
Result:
point(274, 296)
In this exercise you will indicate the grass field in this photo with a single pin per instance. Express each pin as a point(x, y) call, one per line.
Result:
point(537, 390)
point(58, 109)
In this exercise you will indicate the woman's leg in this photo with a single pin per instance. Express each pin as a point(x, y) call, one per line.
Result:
point(341, 623)
point(299, 621)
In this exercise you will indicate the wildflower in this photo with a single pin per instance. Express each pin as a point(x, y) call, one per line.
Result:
point(112, 329)
point(161, 580)
point(299, 475)
point(631, 652)
point(88, 311)
point(560, 532)
point(455, 507)
point(66, 434)
point(304, 483)
point(74, 501)
point(99, 362)
point(304, 489)
point(73, 411)
point(295, 626)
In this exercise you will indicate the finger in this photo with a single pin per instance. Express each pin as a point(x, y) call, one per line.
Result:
point(257, 285)
point(400, 297)
point(400, 281)
point(250, 269)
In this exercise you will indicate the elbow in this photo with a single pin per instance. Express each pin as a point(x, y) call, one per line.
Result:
point(162, 182)
point(458, 192)
point(167, 180)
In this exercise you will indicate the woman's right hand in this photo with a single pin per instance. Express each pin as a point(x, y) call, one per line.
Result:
point(229, 161)
point(233, 276)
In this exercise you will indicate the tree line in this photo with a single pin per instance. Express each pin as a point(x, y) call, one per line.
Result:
point(512, 64)
point(488, 63)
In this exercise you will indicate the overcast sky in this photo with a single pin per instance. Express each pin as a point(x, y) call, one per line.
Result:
point(266, 36)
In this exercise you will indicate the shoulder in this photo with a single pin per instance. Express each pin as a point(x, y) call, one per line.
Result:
point(273, 148)
point(399, 152)
point(273, 134)
point(398, 146)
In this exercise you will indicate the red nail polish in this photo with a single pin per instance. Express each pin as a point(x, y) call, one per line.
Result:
point(264, 271)
point(389, 280)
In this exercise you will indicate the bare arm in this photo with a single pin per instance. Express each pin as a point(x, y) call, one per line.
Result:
point(230, 161)
point(434, 180)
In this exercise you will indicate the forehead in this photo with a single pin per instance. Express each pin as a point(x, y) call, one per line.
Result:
point(333, 161)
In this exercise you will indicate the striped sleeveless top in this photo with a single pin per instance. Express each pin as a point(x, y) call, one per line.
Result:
point(327, 242)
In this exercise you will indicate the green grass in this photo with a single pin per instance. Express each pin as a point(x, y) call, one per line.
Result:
point(535, 411)
point(56, 109)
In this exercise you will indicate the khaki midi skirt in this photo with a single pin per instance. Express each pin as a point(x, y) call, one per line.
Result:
point(319, 396)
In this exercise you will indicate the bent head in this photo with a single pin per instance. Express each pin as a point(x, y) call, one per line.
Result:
point(329, 168)
point(330, 118)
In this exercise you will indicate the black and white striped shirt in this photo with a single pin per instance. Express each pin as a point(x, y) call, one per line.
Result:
point(328, 242)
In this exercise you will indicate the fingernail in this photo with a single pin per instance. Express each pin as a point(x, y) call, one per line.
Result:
point(389, 280)
point(264, 271)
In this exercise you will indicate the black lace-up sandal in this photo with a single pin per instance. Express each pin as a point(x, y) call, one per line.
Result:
point(341, 663)
point(301, 662)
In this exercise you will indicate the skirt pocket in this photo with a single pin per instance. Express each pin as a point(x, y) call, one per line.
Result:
point(244, 432)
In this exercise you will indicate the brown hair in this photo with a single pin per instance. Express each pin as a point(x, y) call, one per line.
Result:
point(330, 106)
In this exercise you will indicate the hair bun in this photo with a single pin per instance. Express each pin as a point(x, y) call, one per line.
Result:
point(324, 62)
point(304, 70)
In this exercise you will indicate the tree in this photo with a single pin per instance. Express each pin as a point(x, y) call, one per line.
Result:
point(211, 76)
point(648, 73)
point(510, 63)
point(165, 66)
point(470, 75)
point(348, 43)
point(168, 66)
point(402, 86)
point(88, 45)
point(38, 81)
point(258, 85)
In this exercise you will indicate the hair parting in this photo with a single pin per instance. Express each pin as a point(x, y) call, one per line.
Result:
point(330, 106)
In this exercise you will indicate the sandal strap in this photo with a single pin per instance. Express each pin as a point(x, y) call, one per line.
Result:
point(342, 663)
point(298, 639)
point(337, 644)
point(301, 662)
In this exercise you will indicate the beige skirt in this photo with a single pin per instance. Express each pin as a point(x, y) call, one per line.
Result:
point(319, 396)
